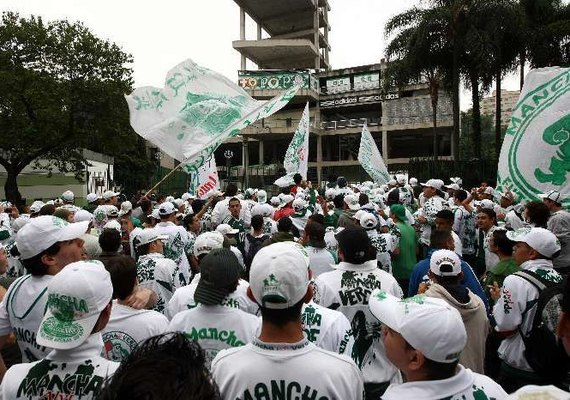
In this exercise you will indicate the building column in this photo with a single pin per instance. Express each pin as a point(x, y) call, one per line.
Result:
point(385, 146)
point(258, 31)
point(245, 162)
point(261, 152)
point(316, 37)
point(242, 34)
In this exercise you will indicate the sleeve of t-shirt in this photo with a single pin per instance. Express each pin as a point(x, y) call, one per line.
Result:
point(5, 325)
point(322, 295)
point(508, 310)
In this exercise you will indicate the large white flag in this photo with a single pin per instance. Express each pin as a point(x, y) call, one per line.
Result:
point(535, 156)
point(196, 111)
point(371, 159)
point(205, 179)
point(297, 155)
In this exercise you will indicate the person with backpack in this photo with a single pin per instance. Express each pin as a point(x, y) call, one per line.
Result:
point(525, 357)
point(254, 239)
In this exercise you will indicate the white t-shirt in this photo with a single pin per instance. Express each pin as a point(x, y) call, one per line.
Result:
point(78, 373)
point(465, 385)
point(183, 299)
point(128, 327)
point(221, 211)
point(177, 245)
point(280, 370)
point(320, 260)
point(432, 206)
point(347, 290)
point(328, 329)
point(161, 275)
point(21, 312)
point(216, 327)
point(457, 243)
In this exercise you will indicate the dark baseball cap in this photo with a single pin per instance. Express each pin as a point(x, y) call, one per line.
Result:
point(220, 270)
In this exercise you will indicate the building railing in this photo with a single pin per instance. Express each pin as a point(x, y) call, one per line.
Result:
point(350, 123)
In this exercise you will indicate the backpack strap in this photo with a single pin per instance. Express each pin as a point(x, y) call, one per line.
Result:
point(539, 283)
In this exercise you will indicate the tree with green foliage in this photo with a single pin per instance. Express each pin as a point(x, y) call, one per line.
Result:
point(62, 89)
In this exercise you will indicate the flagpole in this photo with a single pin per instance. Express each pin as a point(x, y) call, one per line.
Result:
point(148, 192)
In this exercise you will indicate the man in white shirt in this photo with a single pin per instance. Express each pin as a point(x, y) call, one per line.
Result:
point(78, 308)
point(322, 259)
point(559, 224)
point(424, 338)
point(282, 360)
point(221, 209)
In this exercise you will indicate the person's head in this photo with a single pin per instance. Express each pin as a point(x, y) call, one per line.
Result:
point(284, 224)
point(191, 223)
point(145, 205)
point(445, 268)
point(63, 213)
point(206, 242)
point(318, 218)
point(552, 199)
point(507, 199)
point(444, 220)
point(351, 202)
point(257, 222)
point(110, 197)
point(353, 245)
point(78, 305)
point(486, 218)
point(315, 234)
point(47, 244)
point(279, 282)
point(220, 271)
point(423, 336)
point(3, 259)
point(500, 244)
point(460, 196)
point(537, 213)
point(432, 187)
point(338, 200)
point(110, 240)
point(393, 197)
point(231, 190)
point(441, 240)
point(123, 273)
point(534, 243)
point(47, 209)
point(341, 182)
point(297, 178)
point(398, 213)
point(167, 366)
point(234, 205)
point(167, 211)
point(149, 241)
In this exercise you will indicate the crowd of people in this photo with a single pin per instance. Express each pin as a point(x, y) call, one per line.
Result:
point(349, 291)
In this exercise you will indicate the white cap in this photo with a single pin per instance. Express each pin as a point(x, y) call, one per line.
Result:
point(274, 201)
point(178, 202)
point(112, 211)
point(486, 203)
point(330, 193)
point(226, 229)
point(445, 263)
point(285, 199)
point(149, 235)
point(434, 183)
point(126, 206)
point(428, 324)
point(187, 196)
point(68, 195)
point(44, 231)
point(166, 208)
point(457, 180)
point(19, 222)
point(511, 196)
point(169, 199)
point(36, 206)
point(262, 196)
point(299, 204)
point(279, 275)
point(76, 297)
point(413, 181)
point(91, 197)
point(368, 221)
point(264, 210)
point(154, 213)
point(113, 224)
point(401, 179)
point(359, 214)
point(207, 242)
point(352, 201)
point(83, 215)
point(489, 190)
point(540, 239)
point(109, 194)
point(552, 195)
point(453, 186)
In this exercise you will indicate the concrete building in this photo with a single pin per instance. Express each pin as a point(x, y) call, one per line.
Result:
point(509, 101)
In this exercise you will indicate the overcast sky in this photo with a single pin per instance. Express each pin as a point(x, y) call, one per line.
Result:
point(160, 34)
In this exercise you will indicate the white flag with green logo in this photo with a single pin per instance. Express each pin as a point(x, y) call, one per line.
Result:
point(205, 179)
point(297, 155)
point(370, 158)
point(195, 112)
point(535, 156)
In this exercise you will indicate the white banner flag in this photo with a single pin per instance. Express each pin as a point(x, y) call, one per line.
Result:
point(297, 155)
point(371, 159)
point(535, 156)
point(196, 111)
point(205, 179)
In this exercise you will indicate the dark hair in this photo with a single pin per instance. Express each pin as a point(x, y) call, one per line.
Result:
point(197, 205)
point(490, 213)
point(283, 316)
point(318, 218)
point(62, 213)
point(297, 178)
point(257, 222)
point(338, 200)
point(142, 250)
point(167, 366)
point(393, 197)
point(435, 370)
point(47, 209)
point(110, 240)
point(316, 234)
point(284, 224)
point(537, 213)
point(502, 242)
point(446, 215)
point(160, 197)
point(354, 243)
point(233, 199)
point(187, 221)
point(461, 195)
point(145, 205)
point(123, 273)
point(439, 239)
point(363, 199)
point(341, 181)
point(231, 189)
point(35, 266)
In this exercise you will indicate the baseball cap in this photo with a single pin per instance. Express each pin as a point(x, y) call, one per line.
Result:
point(274, 201)
point(285, 199)
point(226, 229)
point(510, 196)
point(113, 224)
point(126, 206)
point(489, 190)
point(44, 231)
point(299, 204)
point(166, 208)
point(445, 263)
point(434, 183)
point(91, 197)
point(149, 235)
point(264, 210)
point(219, 269)
point(453, 186)
point(552, 195)
point(19, 223)
point(401, 179)
point(109, 194)
point(330, 193)
point(187, 196)
point(428, 324)
point(68, 195)
point(279, 275)
point(413, 181)
point(207, 242)
point(83, 215)
point(400, 211)
point(540, 239)
point(368, 221)
point(169, 199)
point(36, 206)
point(262, 196)
point(486, 203)
point(352, 201)
point(76, 297)
point(112, 211)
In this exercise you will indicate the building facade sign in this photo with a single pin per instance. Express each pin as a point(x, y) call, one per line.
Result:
point(338, 85)
point(367, 81)
point(278, 80)
point(351, 100)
